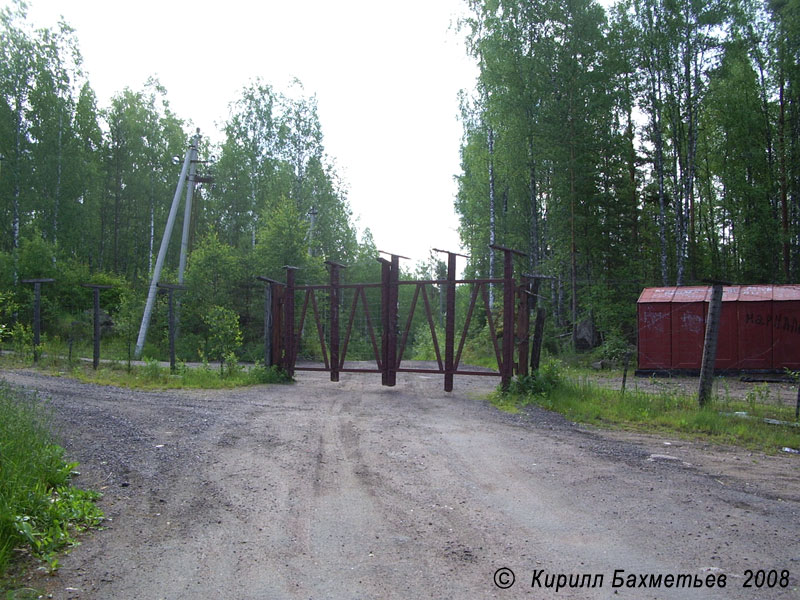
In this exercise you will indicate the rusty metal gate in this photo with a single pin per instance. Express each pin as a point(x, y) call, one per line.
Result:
point(387, 342)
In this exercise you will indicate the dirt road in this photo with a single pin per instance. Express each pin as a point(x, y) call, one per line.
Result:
point(352, 490)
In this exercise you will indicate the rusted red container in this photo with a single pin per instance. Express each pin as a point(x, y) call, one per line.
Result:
point(759, 328)
point(688, 326)
point(655, 328)
point(786, 327)
point(755, 327)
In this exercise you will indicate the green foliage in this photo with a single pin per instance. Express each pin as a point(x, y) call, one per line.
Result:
point(36, 258)
point(38, 508)
point(283, 240)
point(615, 348)
point(423, 343)
point(126, 321)
point(22, 341)
point(7, 308)
point(556, 162)
point(213, 275)
point(538, 383)
point(224, 335)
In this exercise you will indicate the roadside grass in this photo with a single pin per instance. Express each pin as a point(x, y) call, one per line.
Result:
point(151, 375)
point(40, 511)
point(724, 420)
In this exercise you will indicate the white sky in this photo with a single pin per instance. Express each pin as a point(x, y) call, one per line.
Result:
point(386, 76)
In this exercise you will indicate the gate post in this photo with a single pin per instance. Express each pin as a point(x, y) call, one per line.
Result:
point(334, 299)
point(450, 323)
point(509, 291)
point(278, 326)
point(272, 322)
point(390, 275)
point(386, 268)
point(37, 312)
point(507, 370)
point(523, 329)
point(394, 297)
point(289, 341)
point(450, 319)
point(268, 324)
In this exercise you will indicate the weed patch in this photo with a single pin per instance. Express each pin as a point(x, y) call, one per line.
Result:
point(720, 421)
point(151, 375)
point(40, 512)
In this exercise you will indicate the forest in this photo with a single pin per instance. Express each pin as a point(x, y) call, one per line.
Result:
point(657, 143)
point(653, 143)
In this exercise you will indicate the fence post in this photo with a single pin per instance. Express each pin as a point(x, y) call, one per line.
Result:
point(96, 288)
point(710, 344)
point(170, 288)
point(37, 313)
point(289, 337)
point(334, 326)
point(797, 405)
point(625, 372)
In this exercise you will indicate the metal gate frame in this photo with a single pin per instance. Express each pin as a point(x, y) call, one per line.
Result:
point(282, 333)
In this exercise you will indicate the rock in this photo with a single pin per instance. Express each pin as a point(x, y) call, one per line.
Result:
point(655, 457)
point(586, 335)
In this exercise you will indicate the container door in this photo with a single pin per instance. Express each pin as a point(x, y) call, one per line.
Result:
point(754, 314)
point(688, 327)
point(655, 328)
point(728, 340)
point(786, 327)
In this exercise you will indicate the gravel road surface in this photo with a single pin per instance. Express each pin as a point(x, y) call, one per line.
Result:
point(350, 490)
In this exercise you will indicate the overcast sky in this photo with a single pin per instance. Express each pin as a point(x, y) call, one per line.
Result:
point(386, 76)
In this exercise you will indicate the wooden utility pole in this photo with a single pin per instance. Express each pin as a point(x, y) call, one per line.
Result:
point(710, 344)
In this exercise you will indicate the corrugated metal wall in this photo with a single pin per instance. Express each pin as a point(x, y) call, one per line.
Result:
point(759, 327)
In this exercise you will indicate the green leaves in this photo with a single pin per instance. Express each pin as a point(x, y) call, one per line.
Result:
point(38, 508)
point(658, 147)
point(224, 335)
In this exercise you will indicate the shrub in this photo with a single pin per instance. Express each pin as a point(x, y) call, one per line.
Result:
point(224, 335)
point(540, 382)
point(614, 348)
point(39, 510)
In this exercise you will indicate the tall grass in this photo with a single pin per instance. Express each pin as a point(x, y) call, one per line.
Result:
point(152, 375)
point(724, 420)
point(39, 510)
